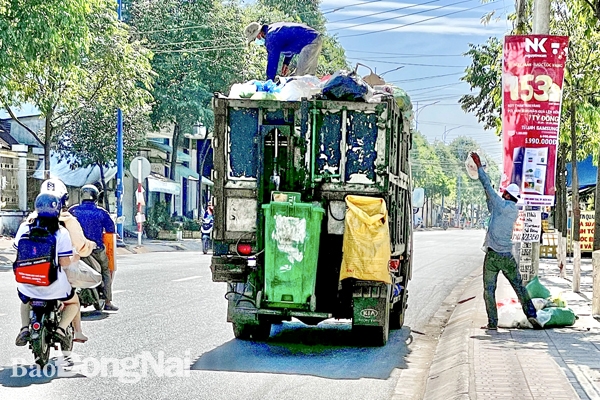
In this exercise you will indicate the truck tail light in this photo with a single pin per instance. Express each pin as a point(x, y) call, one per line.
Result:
point(394, 265)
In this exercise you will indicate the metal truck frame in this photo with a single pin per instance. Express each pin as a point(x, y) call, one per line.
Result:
point(325, 150)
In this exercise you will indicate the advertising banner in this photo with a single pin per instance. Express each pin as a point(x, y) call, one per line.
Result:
point(587, 223)
point(528, 227)
point(532, 81)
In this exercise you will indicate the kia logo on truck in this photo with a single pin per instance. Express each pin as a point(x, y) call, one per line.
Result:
point(369, 313)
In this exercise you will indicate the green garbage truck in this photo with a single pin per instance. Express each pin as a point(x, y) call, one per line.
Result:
point(283, 240)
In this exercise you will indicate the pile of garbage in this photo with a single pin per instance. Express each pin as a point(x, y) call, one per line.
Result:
point(343, 85)
point(552, 311)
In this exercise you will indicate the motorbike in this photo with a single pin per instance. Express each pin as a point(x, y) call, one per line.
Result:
point(92, 296)
point(44, 317)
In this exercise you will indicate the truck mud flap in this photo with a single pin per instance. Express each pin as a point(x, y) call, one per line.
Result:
point(371, 304)
point(229, 269)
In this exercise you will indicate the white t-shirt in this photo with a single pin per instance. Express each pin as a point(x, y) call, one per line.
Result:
point(60, 288)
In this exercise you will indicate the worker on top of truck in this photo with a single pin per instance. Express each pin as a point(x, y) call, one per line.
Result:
point(289, 39)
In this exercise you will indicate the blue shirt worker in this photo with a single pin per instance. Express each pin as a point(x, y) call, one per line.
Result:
point(95, 221)
point(498, 246)
point(289, 39)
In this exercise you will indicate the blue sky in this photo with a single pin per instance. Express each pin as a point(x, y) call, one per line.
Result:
point(429, 45)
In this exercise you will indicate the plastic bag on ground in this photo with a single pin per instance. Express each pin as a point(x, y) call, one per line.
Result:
point(510, 315)
point(346, 86)
point(366, 243)
point(557, 301)
point(554, 317)
point(539, 304)
point(537, 290)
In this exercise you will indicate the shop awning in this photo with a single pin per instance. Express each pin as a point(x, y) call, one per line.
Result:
point(74, 177)
point(159, 183)
point(188, 173)
point(181, 156)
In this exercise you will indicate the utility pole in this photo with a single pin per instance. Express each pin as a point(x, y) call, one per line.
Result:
point(541, 26)
point(119, 191)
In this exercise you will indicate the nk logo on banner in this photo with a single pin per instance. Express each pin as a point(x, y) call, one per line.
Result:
point(532, 81)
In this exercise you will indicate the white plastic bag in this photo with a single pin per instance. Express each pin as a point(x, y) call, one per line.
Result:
point(543, 317)
point(82, 276)
point(512, 316)
point(295, 91)
point(242, 90)
point(539, 303)
point(471, 168)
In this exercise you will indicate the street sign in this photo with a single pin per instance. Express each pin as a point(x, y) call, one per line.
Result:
point(134, 168)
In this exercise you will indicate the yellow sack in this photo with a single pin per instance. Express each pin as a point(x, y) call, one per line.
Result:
point(366, 245)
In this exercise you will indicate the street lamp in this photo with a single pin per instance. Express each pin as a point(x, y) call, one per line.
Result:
point(418, 111)
point(448, 130)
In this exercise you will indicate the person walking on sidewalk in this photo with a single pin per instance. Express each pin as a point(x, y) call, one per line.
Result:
point(95, 221)
point(498, 247)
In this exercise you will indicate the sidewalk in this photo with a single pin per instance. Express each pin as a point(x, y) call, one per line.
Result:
point(7, 252)
point(560, 363)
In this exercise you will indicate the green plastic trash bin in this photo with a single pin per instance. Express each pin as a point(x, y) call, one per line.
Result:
point(292, 234)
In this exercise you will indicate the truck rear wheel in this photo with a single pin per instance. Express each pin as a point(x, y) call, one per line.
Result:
point(397, 316)
point(371, 335)
point(260, 332)
point(241, 331)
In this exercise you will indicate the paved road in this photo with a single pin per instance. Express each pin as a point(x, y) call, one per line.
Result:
point(170, 306)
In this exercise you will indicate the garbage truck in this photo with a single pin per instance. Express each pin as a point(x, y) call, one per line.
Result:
point(312, 205)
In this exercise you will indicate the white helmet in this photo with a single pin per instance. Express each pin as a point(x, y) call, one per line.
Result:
point(57, 188)
point(514, 191)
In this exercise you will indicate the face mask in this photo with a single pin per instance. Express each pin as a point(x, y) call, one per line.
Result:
point(259, 42)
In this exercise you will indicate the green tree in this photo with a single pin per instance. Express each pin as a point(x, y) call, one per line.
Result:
point(333, 55)
point(198, 50)
point(426, 169)
point(90, 139)
point(109, 70)
point(485, 77)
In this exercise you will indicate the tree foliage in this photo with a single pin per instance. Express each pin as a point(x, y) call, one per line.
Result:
point(485, 77)
point(106, 69)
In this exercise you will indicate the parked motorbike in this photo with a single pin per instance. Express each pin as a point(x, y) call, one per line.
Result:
point(92, 296)
point(44, 317)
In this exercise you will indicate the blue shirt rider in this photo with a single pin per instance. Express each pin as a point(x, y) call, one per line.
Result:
point(95, 221)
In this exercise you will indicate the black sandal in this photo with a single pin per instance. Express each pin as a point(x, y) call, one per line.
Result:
point(23, 336)
point(63, 338)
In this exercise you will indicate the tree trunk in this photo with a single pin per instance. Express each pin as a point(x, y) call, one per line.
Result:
point(575, 203)
point(521, 27)
point(560, 210)
point(563, 215)
point(103, 182)
point(47, 143)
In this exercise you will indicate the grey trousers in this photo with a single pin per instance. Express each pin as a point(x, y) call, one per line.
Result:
point(308, 58)
point(102, 258)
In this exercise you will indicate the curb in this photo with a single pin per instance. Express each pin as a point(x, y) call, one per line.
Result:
point(450, 372)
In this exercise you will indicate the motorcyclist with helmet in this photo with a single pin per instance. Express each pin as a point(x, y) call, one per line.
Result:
point(82, 247)
point(47, 208)
point(95, 221)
